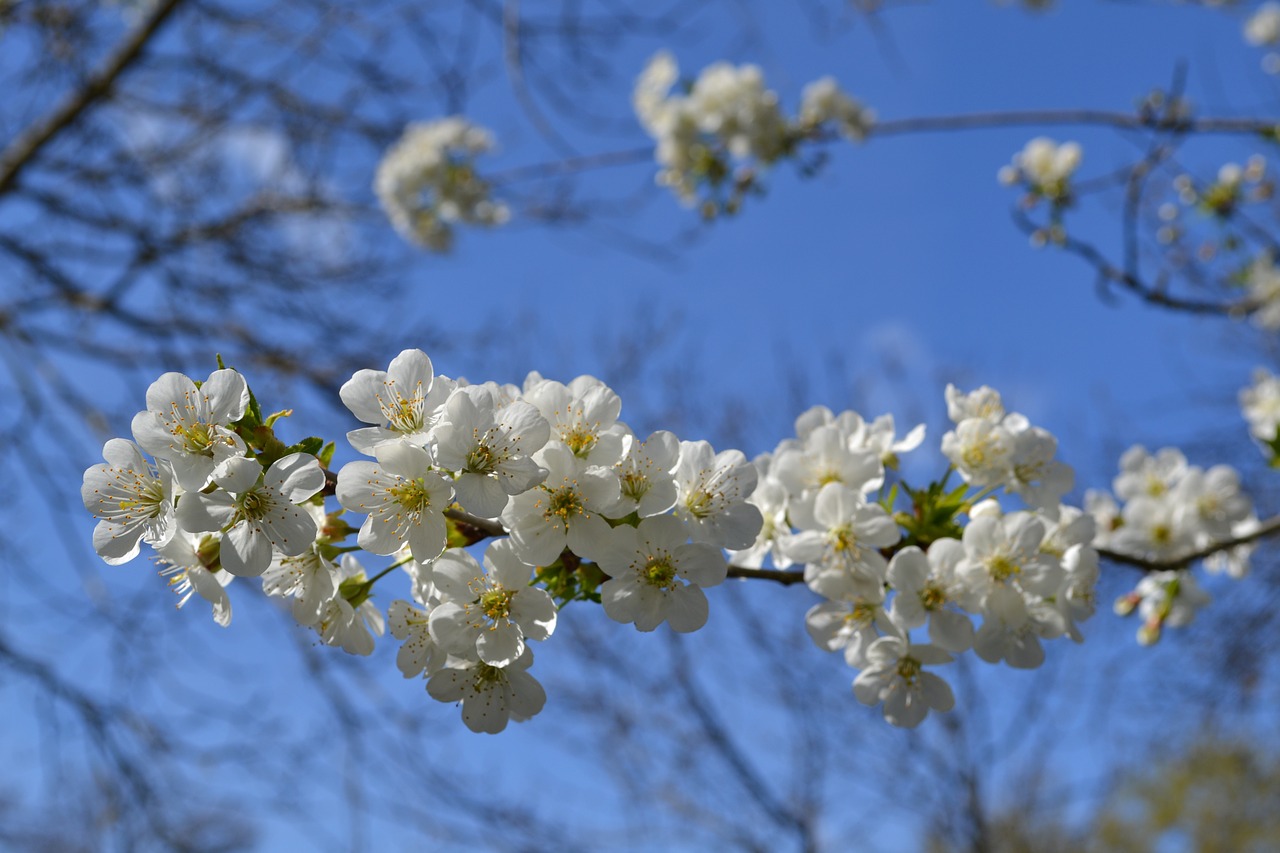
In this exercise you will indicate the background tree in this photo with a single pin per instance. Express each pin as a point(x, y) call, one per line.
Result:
point(193, 177)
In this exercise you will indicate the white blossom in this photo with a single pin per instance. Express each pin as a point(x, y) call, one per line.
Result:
point(490, 695)
point(132, 499)
point(427, 182)
point(896, 676)
point(188, 426)
point(256, 511)
point(403, 402)
point(403, 497)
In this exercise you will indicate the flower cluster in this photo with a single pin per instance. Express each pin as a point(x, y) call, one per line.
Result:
point(1164, 509)
point(717, 136)
point(209, 507)
point(1260, 405)
point(1045, 168)
point(427, 182)
point(501, 503)
point(1262, 29)
point(573, 499)
point(1029, 574)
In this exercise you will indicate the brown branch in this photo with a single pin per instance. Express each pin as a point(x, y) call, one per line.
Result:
point(28, 144)
point(1263, 530)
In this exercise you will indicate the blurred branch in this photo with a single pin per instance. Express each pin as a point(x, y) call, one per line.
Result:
point(28, 144)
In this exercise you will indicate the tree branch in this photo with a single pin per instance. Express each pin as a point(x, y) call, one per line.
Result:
point(28, 144)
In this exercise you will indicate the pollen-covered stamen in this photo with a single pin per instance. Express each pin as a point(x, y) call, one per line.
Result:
point(932, 597)
point(844, 542)
point(255, 504)
point(130, 496)
point(909, 670)
point(635, 485)
point(659, 571)
point(411, 494)
point(481, 460)
point(197, 438)
point(1161, 534)
point(495, 604)
point(579, 439)
point(405, 414)
point(825, 477)
point(1002, 568)
point(485, 676)
point(564, 503)
point(861, 614)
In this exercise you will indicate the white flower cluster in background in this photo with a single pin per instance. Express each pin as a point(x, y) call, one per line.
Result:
point(1262, 285)
point(893, 610)
point(427, 182)
point(1262, 29)
point(727, 126)
point(1260, 405)
point(1165, 509)
point(1044, 167)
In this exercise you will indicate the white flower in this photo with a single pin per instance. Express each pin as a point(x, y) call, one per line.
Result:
point(924, 587)
point(827, 456)
point(1263, 26)
point(489, 613)
point(583, 416)
point(647, 475)
point(896, 676)
point(840, 540)
point(403, 402)
point(191, 565)
point(490, 448)
point(656, 575)
point(187, 426)
point(981, 451)
point(1004, 568)
point(132, 500)
point(1045, 166)
point(344, 623)
point(822, 101)
point(418, 653)
point(1037, 477)
point(427, 182)
point(490, 695)
point(1144, 474)
point(1260, 404)
point(309, 578)
point(1262, 280)
point(256, 511)
point(852, 624)
point(983, 403)
point(564, 510)
point(713, 492)
point(1169, 598)
point(404, 499)
point(771, 498)
point(879, 437)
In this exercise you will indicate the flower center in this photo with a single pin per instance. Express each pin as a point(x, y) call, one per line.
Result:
point(932, 597)
point(635, 485)
point(412, 494)
point(1002, 568)
point(659, 572)
point(564, 503)
point(254, 504)
point(487, 677)
point(496, 603)
point(579, 439)
point(909, 670)
point(481, 460)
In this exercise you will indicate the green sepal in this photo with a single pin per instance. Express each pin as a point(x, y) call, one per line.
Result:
point(569, 579)
point(326, 454)
point(356, 590)
point(275, 416)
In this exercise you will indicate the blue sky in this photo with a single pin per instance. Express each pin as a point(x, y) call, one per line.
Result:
point(902, 250)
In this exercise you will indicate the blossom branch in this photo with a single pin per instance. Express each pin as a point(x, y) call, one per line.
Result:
point(1263, 530)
